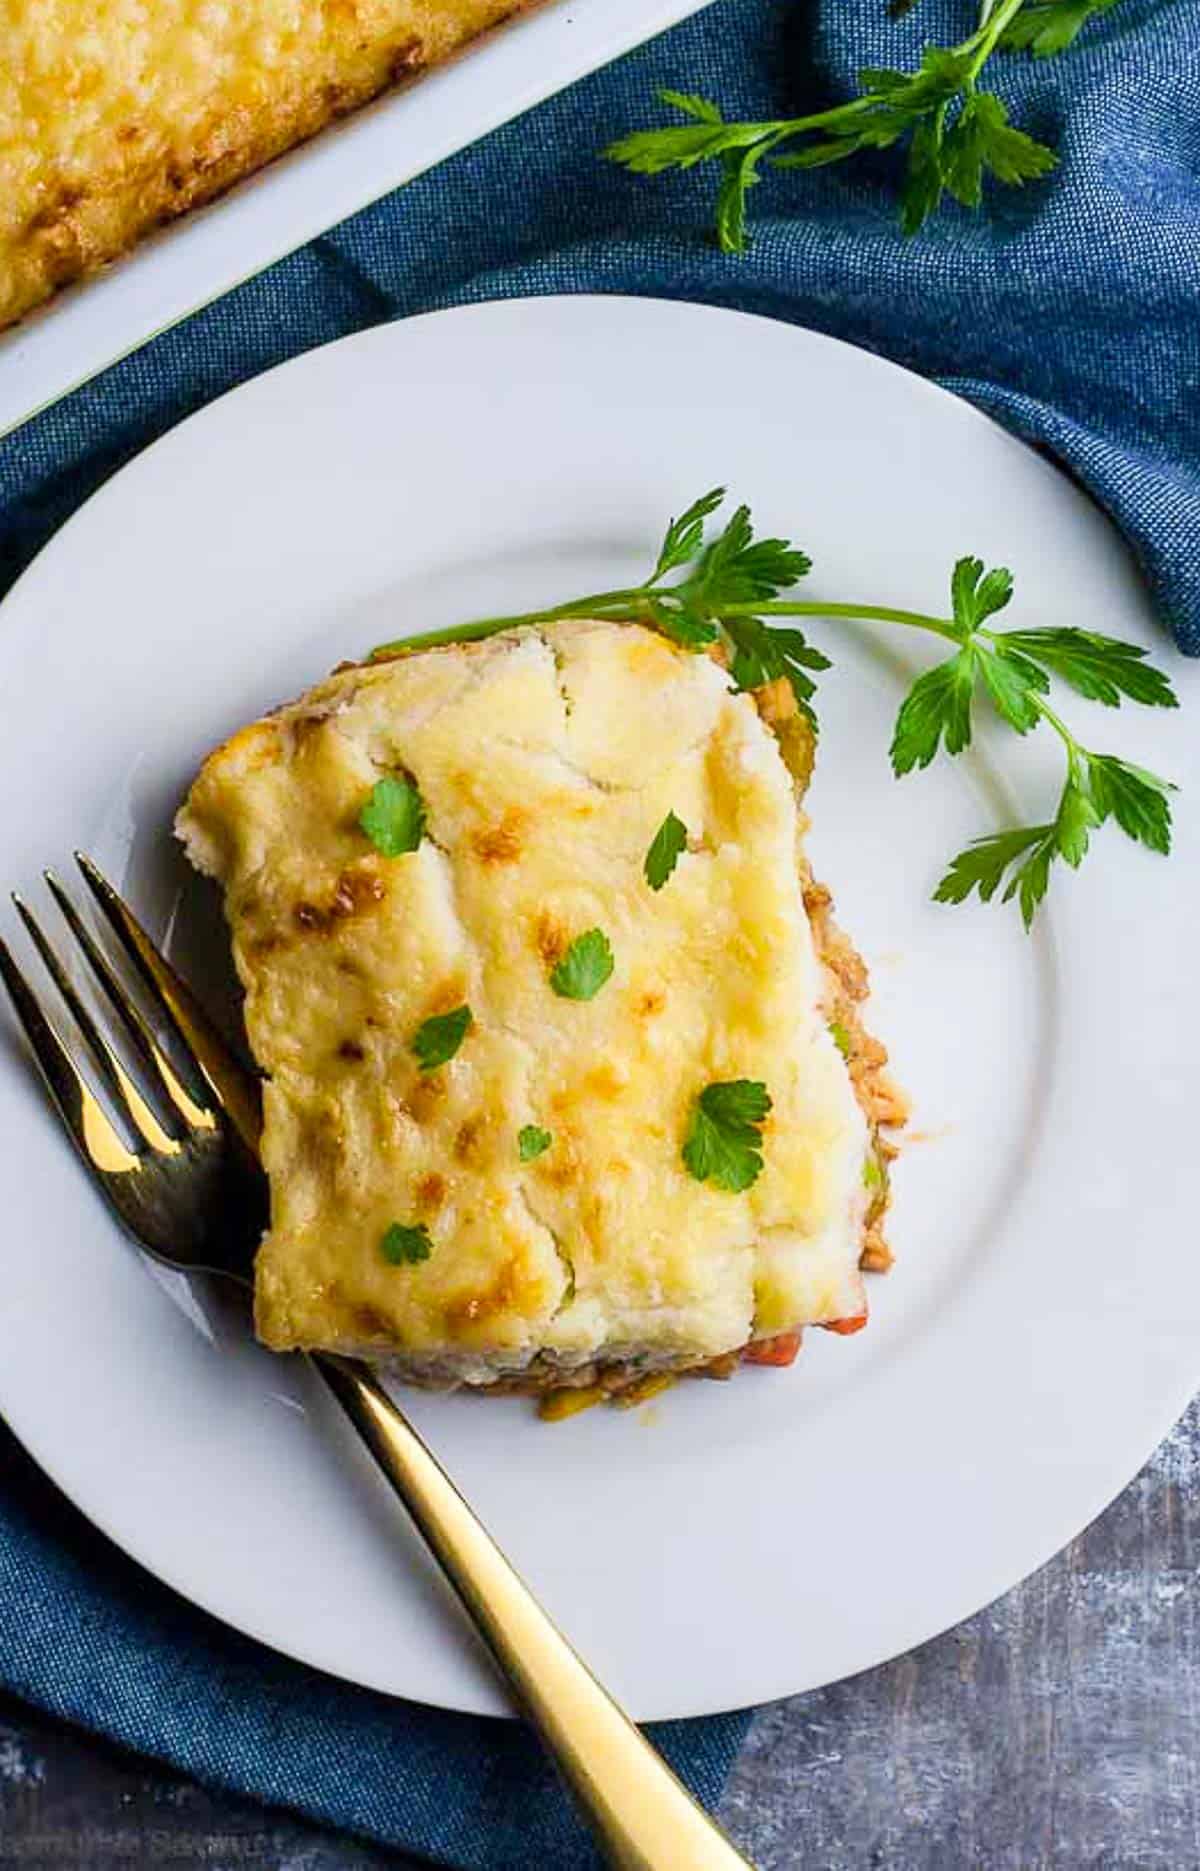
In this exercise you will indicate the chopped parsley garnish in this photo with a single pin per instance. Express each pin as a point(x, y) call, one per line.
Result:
point(665, 847)
point(533, 1141)
point(394, 816)
point(840, 1037)
point(403, 1246)
point(724, 1140)
point(584, 968)
point(439, 1038)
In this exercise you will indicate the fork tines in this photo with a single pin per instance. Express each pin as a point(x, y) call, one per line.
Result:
point(83, 1113)
point(185, 1180)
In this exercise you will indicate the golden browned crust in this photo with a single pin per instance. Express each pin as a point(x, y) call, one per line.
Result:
point(881, 1101)
point(538, 1283)
point(115, 119)
point(884, 1107)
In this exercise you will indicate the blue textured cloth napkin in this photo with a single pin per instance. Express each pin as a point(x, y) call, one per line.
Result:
point(1068, 310)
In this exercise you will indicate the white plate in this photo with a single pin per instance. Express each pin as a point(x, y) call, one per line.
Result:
point(197, 258)
point(1041, 1331)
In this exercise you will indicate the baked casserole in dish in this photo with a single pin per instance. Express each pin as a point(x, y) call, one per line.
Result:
point(542, 1110)
point(118, 115)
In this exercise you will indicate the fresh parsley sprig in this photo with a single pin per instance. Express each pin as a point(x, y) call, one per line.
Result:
point(956, 134)
point(722, 587)
point(725, 594)
point(1014, 668)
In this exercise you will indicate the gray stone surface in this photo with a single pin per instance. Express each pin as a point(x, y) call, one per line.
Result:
point(1059, 1728)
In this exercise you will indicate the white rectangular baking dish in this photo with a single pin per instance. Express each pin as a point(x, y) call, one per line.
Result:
point(348, 165)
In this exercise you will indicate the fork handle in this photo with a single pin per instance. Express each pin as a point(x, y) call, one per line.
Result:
point(643, 1817)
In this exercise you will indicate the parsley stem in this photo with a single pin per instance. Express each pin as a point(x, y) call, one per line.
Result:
point(1057, 723)
point(1042, 706)
point(782, 129)
point(631, 605)
point(836, 113)
point(482, 627)
point(989, 32)
point(994, 17)
point(877, 613)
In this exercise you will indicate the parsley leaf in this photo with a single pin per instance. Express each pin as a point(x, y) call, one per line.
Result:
point(438, 1039)
point(401, 1245)
point(1045, 27)
point(983, 142)
point(394, 816)
point(921, 190)
point(1076, 820)
point(739, 569)
point(1013, 683)
point(1101, 668)
point(685, 536)
point(691, 105)
point(986, 861)
point(763, 654)
point(677, 620)
point(648, 152)
point(1097, 787)
point(936, 708)
point(669, 841)
point(977, 595)
point(584, 968)
point(733, 569)
point(724, 1140)
point(739, 174)
point(1138, 800)
point(533, 1142)
point(1028, 884)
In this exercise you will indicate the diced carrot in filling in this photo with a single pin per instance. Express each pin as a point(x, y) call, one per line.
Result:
point(778, 1351)
point(846, 1326)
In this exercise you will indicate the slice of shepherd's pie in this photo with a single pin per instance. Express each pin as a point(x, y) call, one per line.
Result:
point(566, 1085)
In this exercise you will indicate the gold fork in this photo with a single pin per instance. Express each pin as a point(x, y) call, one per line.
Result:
point(188, 1187)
